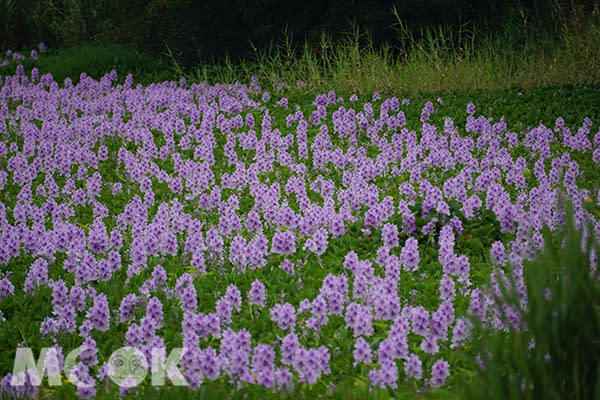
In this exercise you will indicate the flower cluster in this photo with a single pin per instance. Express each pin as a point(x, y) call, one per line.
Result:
point(270, 238)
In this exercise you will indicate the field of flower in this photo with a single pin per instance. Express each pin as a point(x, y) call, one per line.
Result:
point(303, 248)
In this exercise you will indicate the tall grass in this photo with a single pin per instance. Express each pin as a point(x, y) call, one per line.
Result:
point(440, 60)
point(556, 353)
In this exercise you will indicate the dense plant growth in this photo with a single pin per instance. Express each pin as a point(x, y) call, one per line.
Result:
point(201, 30)
point(337, 246)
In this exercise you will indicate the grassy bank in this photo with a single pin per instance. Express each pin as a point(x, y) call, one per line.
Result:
point(441, 60)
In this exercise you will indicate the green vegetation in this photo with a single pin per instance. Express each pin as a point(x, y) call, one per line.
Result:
point(558, 355)
point(526, 77)
point(441, 61)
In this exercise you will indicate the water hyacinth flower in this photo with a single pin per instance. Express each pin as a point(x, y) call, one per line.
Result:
point(284, 243)
point(311, 363)
point(154, 310)
point(6, 287)
point(413, 367)
point(409, 256)
point(447, 288)
point(439, 373)
point(289, 348)
point(89, 352)
point(429, 345)
point(388, 375)
point(99, 313)
point(234, 297)
point(263, 365)
point(497, 253)
point(189, 300)
point(283, 379)
point(224, 310)
point(257, 295)
point(284, 315)
point(318, 243)
point(37, 276)
point(67, 144)
point(127, 307)
point(389, 235)
point(362, 352)
point(359, 318)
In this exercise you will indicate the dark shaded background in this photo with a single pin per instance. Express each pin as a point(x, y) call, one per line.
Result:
point(212, 29)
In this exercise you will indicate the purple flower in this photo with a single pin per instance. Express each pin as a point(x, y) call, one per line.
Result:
point(319, 307)
point(498, 254)
point(409, 255)
point(85, 382)
point(159, 275)
point(209, 363)
point(337, 227)
point(360, 319)
point(284, 315)
point(89, 352)
point(238, 362)
point(284, 243)
point(373, 378)
point(7, 288)
point(470, 108)
point(362, 352)
point(318, 243)
point(154, 310)
point(99, 313)
point(596, 156)
point(439, 372)
point(460, 332)
point(427, 110)
point(389, 235)
point(312, 363)
point(413, 367)
point(287, 266)
point(289, 347)
point(429, 345)
point(351, 261)
point(388, 374)
point(447, 288)
point(210, 325)
point(263, 365)
point(224, 310)
point(214, 241)
point(283, 378)
point(256, 250)
point(237, 252)
point(253, 222)
point(77, 297)
point(456, 224)
point(104, 270)
point(37, 276)
point(67, 318)
point(127, 307)
point(189, 301)
point(420, 321)
point(256, 294)
point(234, 297)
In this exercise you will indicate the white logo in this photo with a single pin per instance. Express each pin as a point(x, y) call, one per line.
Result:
point(127, 367)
